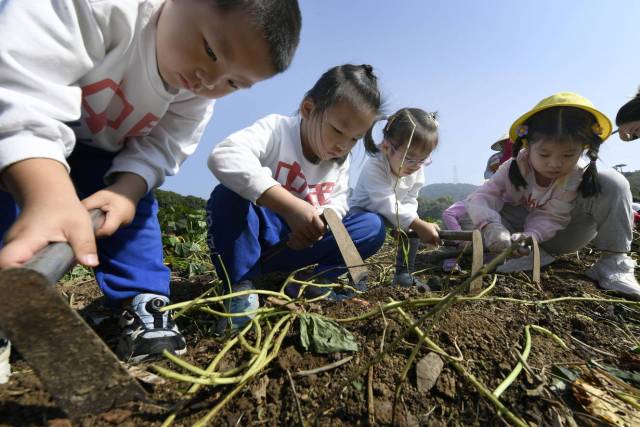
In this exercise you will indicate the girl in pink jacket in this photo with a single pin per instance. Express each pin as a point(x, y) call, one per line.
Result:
point(547, 192)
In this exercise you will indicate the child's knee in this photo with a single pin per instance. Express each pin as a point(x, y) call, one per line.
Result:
point(370, 233)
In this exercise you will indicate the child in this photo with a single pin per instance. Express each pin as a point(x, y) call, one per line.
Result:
point(391, 180)
point(279, 174)
point(544, 191)
point(503, 146)
point(628, 119)
point(132, 83)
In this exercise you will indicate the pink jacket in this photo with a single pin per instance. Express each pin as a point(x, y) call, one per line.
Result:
point(549, 207)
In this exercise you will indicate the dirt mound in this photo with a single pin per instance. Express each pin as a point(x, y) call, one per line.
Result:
point(485, 337)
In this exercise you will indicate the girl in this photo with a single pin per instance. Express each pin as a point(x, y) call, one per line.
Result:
point(279, 174)
point(628, 119)
point(391, 179)
point(544, 191)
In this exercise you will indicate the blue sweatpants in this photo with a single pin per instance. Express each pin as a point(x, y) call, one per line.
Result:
point(131, 260)
point(242, 232)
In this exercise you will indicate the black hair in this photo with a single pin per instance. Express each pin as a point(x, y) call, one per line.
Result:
point(561, 124)
point(354, 84)
point(279, 21)
point(402, 124)
point(629, 112)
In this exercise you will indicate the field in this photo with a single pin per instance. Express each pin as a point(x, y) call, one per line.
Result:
point(577, 349)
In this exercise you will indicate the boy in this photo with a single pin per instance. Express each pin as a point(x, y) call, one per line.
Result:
point(131, 82)
point(628, 119)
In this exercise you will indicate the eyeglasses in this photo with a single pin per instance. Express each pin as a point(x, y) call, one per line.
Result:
point(412, 162)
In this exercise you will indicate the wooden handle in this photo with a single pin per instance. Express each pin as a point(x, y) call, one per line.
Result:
point(57, 258)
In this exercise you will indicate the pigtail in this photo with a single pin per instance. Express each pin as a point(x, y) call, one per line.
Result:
point(369, 144)
point(590, 184)
point(515, 175)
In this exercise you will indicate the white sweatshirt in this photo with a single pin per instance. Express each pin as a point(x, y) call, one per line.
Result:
point(269, 153)
point(86, 71)
point(375, 192)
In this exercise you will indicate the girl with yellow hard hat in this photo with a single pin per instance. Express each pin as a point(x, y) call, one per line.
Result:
point(545, 190)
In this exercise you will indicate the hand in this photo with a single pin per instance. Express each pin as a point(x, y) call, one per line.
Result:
point(306, 226)
point(118, 202)
point(46, 216)
point(522, 250)
point(427, 231)
point(496, 237)
point(630, 131)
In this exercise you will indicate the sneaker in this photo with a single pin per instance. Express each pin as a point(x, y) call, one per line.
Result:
point(525, 263)
point(406, 280)
point(5, 352)
point(147, 331)
point(241, 304)
point(450, 265)
point(615, 272)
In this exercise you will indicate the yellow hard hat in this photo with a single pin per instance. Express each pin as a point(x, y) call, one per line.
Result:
point(565, 99)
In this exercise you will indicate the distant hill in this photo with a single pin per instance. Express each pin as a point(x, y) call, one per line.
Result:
point(169, 198)
point(455, 191)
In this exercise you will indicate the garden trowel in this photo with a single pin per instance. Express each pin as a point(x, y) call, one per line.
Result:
point(73, 363)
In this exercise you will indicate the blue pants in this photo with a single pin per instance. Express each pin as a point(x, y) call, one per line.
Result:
point(242, 232)
point(131, 260)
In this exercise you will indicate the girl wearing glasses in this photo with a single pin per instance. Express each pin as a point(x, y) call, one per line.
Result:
point(390, 181)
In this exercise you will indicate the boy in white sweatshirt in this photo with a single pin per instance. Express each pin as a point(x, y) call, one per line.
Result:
point(99, 101)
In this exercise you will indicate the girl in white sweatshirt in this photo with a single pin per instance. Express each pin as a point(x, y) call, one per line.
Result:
point(278, 175)
point(391, 180)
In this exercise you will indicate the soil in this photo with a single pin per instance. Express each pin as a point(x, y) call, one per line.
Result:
point(488, 333)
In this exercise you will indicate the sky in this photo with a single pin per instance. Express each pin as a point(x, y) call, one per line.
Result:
point(480, 64)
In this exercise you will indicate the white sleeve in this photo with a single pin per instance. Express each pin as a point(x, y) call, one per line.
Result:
point(238, 160)
point(170, 142)
point(408, 206)
point(381, 198)
point(38, 93)
point(340, 194)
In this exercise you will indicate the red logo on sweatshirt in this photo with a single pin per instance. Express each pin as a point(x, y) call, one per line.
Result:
point(292, 179)
point(106, 105)
point(532, 203)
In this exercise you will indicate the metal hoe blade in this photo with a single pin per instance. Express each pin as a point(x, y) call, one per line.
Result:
point(73, 363)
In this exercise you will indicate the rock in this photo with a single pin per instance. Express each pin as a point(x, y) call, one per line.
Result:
point(428, 370)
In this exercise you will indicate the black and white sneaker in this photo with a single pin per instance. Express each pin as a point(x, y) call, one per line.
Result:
point(147, 331)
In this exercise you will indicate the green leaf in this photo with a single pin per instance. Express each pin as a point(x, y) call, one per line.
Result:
point(629, 376)
point(323, 335)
